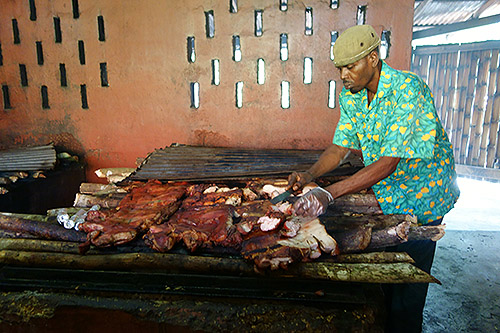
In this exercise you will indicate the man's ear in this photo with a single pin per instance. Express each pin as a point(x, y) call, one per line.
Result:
point(373, 58)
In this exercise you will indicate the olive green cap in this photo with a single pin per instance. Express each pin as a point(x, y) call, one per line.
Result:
point(354, 43)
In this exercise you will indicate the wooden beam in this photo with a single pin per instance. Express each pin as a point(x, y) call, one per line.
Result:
point(474, 171)
point(456, 27)
point(483, 8)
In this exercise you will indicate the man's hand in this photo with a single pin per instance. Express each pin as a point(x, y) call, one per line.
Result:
point(313, 203)
point(297, 180)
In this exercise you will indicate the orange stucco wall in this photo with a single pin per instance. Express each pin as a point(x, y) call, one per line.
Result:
point(147, 102)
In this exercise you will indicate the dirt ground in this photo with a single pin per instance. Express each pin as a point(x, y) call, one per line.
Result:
point(467, 262)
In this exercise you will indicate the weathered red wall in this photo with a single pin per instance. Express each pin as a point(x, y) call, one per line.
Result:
point(147, 104)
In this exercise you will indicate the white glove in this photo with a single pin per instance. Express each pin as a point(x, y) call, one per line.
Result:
point(313, 203)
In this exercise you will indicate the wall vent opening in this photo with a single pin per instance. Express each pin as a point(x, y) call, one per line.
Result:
point(45, 98)
point(191, 53)
point(83, 94)
point(308, 21)
point(233, 6)
point(285, 94)
point(23, 74)
point(331, 94)
point(210, 24)
point(57, 30)
point(239, 94)
point(15, 32)
point(334, 35)
point(39, 53)
point(104, 74)
point(236, 48)
point(308, 68)
point(283, 5)
point(195, 95)
point(62, 75)
point(258, 23)
point(32, 10)
point(385, 44)
point(215, 72)
point(100, 28)
point(284, 47)
point(261, 71)
point(361, 15)
point(81, 52)
point(6, 97)
point(76, 9)
point(334, 4)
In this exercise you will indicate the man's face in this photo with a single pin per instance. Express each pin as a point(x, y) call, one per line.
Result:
point(356, 76)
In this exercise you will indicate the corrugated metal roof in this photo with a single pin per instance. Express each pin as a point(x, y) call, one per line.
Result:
point(430, 13)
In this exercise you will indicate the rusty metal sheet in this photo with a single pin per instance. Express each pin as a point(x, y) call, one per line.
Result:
point(202, 163)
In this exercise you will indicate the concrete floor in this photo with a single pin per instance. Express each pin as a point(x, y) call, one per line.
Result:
point(467, 262)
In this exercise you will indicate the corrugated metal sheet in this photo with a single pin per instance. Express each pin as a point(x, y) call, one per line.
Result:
point(203, 163)
point(28, 159)
point(445, 12)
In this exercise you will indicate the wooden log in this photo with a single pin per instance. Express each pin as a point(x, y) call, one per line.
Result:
point(493, 110)
point(390, 236)
point(114, 175)
point(100, 189)
point(87, 200)
point(41, 245)
point(358, 203)
point(18, 235)
point(401, 272)
point(372, 257)
point(354, 240)
point(479, 106)
point(349, 221)
point(41, 229)
point(31, 217)
point(433, 233)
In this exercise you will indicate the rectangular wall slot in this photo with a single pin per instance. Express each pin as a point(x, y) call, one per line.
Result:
point(233, 6)
point(1, 55)
point(385, 44)
point(239, 94)
point(81, 52)
point(361, 15)
point(309, 21)
point(334, 35)
point(6, 97)
point(100, 28)
point(285, 94)
point(195, 95)
point(24, 75)
point(308, 67)
point(39, 53)
point(331, 94)
point(258, 23)
point(62, 75)
point(236, 48)
point(261, 71)
point(83, 94)
point(284, 47)
point(283, 5)
point(209, 24)
point(32, 10)
point(334, 4)
point(15, 32)
point(57, 30)
point(215, 72)
point(104, 74)
point(76, 9)
point(45, 98)
point(191, 53)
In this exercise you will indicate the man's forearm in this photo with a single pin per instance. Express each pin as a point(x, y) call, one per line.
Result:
point(365, 177)
point(328, 160)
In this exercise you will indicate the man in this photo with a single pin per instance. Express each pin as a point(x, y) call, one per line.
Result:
point(387, 116)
